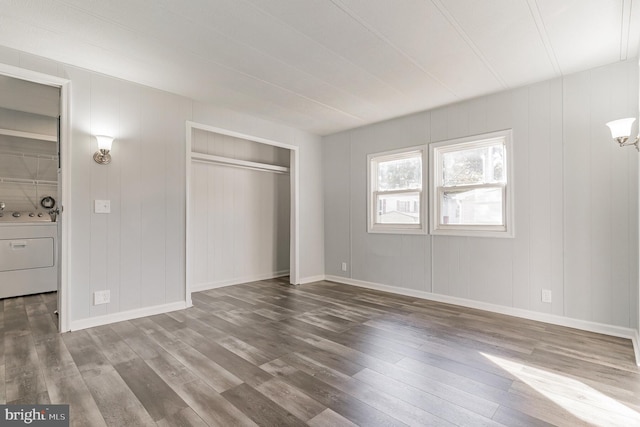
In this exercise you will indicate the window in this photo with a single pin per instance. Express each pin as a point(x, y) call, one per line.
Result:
point(472, 186)
point(395, 202)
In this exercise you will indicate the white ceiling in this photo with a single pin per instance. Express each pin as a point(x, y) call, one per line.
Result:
point(327, 65)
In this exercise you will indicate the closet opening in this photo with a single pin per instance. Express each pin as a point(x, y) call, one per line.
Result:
point(241, 209)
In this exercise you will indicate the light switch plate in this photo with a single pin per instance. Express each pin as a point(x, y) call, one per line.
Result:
point(102, 206)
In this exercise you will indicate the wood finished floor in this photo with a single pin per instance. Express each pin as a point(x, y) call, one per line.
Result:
point(323, 354)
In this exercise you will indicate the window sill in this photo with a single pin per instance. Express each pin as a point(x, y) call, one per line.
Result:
point(396, 230)
point(501, 234)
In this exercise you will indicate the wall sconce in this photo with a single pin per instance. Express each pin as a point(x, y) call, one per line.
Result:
point(102, 156)
point(621, 131)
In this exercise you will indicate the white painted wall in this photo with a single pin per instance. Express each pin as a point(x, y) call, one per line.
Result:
point(576, 203)
point(138, 251)
point(239, 217)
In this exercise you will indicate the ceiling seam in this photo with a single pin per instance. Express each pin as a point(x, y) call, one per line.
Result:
point(332, 52)
point(456, 25)
point(151, 84)
point(625, 29)
point(544, 36)
point(340, 5)
point(195, 54)
point(278, 60)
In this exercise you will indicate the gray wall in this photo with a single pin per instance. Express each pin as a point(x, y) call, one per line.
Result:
point(138, 251)
point(576, 198)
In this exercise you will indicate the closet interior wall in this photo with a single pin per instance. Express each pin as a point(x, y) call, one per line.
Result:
point(240, 215)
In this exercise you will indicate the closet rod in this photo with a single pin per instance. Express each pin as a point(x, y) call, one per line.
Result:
point(244, 164)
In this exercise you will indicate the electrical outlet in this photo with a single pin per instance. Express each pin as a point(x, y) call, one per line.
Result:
point(344, 266)
point(546, 295)
point(101, 297)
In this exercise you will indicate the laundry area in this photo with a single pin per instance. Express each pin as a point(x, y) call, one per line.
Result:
point(29, 165)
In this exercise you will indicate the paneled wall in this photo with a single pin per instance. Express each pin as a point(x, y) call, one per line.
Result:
point(240, 217)
point(138, 251)
point(576, 203)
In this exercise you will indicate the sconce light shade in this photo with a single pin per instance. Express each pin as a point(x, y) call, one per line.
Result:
point(621, 131)
point(102, 156)
point(621, 128)
point(104, 142)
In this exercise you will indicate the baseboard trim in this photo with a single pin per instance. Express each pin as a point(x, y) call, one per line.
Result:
point(237, 281)
point(585, 325)
point(636, 346)
point(312, 279)
point(126, 315)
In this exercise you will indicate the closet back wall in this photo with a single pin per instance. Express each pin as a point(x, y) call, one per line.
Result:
point(240, 217)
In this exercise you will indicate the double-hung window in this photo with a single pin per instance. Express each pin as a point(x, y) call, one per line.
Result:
point(472, 188)
point(395, 197)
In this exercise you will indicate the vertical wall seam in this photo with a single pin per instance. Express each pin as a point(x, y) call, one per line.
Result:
point(429, 201)
point(562, 194)
point(166, 207)
point(590, 189)
point(633, 246)
point(350, 269)
point(91, 217)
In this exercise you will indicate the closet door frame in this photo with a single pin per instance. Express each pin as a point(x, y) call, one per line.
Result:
point(294, 258)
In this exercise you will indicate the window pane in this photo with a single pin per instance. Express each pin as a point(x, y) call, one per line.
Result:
point(483, 165)
point(398, 208)
point(400, 174)
point(482, 206)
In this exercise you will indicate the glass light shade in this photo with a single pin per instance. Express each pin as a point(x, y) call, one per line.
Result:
point(621, 128)
point(104, 142)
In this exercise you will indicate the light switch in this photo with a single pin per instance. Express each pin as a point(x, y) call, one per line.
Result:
point(102, 206)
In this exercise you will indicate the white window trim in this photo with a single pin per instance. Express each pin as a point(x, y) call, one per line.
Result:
point(372, 192)
point(436, 149)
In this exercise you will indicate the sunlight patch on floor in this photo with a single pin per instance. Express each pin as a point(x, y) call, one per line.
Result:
point(582, 401)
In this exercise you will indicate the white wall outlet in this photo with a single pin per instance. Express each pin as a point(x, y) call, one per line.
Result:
point(546, 295)
point(101, 297)
point(102, 206)
point(344, 266)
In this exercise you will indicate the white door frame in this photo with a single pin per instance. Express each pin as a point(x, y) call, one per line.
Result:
point(294, 268)
point(65, 175)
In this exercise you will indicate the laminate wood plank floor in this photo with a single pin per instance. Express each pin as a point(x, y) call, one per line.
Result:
point(323, 354)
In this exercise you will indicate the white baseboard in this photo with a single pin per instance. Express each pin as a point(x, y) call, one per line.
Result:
point(585, 325)
point(636, 346)
point(237, 281)
point(312, 279)
point(126, 315)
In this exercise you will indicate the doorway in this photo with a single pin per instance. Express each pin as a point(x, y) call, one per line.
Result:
point(251, 167)
point(60, 158)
